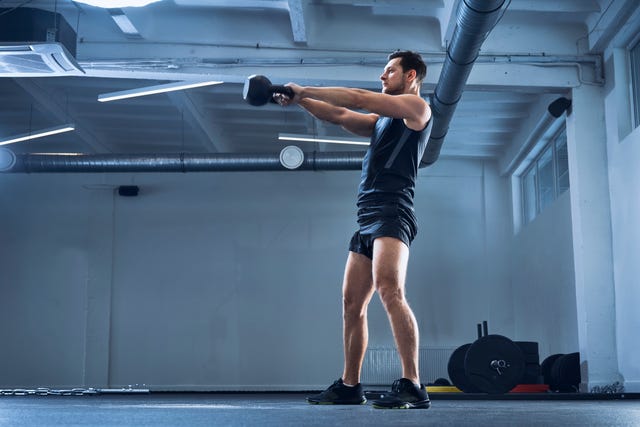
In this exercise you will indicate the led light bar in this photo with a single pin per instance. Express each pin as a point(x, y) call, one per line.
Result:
point(58, 154)
point(151, 90)
point(116, 3)
point(38, 134)
point(307, 138)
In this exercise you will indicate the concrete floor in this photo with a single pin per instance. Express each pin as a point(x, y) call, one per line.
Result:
point(160, 409)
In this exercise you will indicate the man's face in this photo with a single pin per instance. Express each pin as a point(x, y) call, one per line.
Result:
point(393, 78)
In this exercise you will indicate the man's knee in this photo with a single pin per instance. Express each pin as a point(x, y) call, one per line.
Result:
point(355, 302)
point(390, 293)
point(354, 305)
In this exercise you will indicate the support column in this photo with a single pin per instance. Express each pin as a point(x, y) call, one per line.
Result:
point(592, 241)
point(99, 286)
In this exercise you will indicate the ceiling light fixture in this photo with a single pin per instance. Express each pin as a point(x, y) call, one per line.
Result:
point(58, 154)
point(107, 4)
point(307, 138)
point(151, 90)
point(124, 23)
point(39, 134)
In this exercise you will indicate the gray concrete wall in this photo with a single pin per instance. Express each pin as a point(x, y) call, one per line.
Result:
point(217, 281)
point(623, 156)
point(543, 281)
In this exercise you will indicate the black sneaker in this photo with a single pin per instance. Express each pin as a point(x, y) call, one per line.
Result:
point(404, 395)
point(339, 394)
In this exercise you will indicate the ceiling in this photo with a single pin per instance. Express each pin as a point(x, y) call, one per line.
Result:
point(539, 50)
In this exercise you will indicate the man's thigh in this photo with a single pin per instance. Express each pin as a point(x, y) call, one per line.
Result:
point(390, 259)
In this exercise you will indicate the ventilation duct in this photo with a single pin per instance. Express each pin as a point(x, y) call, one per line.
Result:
point(475, 19)
point(179, 162)
point(36, 43)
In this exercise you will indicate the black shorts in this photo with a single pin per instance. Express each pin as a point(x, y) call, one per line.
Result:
point(383, 222)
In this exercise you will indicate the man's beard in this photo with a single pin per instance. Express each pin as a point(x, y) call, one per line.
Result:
point(394, 90)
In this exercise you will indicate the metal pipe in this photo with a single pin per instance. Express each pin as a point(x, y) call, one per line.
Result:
point(179, 162)
point(432, 58)
point(475, 19)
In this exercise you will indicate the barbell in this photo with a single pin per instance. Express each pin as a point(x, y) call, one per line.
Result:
point(494, 364)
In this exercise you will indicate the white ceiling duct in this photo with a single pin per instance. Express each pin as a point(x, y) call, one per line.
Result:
point(37, 60)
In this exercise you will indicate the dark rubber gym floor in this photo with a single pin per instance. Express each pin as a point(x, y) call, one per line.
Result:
point(212, 409)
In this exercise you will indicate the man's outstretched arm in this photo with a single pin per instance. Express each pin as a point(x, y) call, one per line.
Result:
point(412, 108)
point(357, 123)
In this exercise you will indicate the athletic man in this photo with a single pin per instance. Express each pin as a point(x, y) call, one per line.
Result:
point(398, 123)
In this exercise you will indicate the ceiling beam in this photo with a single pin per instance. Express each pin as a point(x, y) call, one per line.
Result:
point(556, 6)
point(537, 110)
point(398, 4)
point(253, 4)
point(62, 113)
point(297, 22)
point(447, 17)
point(604, 26)
point(413, 8)
point(210, 136)
point(503, 75)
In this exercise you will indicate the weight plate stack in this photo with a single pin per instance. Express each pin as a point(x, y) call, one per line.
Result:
point(546, 366)
point(532, 370)
point(565, 373)
point(456, 371)
point(494, 364)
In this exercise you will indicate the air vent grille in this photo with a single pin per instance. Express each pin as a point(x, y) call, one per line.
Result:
point(37, 60)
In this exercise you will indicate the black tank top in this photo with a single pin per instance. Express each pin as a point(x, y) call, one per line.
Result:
point(390, 165)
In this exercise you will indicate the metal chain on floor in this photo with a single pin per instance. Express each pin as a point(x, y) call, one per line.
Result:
point(614, 388)
point(43, 391)
point(77, 391)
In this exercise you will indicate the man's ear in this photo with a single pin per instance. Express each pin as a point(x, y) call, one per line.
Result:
point(412, 75)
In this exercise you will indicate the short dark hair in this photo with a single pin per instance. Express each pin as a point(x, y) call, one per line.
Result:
point(410, 60)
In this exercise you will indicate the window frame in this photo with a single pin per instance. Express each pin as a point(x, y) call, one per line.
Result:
point(634, 83)
point(552, 146)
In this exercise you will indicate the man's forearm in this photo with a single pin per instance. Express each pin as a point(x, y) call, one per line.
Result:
point(322, 110)
point(357, 123)
point(339, 96)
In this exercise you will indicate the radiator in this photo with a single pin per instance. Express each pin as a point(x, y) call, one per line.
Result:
point(382, 365)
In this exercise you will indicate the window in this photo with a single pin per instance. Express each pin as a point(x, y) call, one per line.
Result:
point(529, 195)
point(635, 81)
point(562, 162)
point(546, 178)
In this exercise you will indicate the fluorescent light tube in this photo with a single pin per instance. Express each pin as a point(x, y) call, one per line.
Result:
point(116, 3)
point(38, 134)
point(59, 154)
point(307, 138)
point(150, 90)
